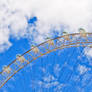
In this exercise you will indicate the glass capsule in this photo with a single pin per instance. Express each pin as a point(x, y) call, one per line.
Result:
point(6, 69)
point(66, 36)
point(35, 49)
point(20, 58)
point(50, 42)
point(82, 33)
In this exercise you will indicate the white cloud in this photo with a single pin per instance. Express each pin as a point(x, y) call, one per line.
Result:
point(49, 78)
point(82, 69)
point(88, 52)
point(57, 14)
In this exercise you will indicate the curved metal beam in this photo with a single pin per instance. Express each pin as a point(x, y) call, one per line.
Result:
point(65, 41)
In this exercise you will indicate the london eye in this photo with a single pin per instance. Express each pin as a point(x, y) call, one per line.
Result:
point(81, 39)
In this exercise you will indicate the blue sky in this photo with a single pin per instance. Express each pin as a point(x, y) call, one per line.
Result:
point(25, 23)
point(67, 70)
point(56, 72)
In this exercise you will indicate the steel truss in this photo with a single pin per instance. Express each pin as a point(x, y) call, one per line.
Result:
point(65, 41)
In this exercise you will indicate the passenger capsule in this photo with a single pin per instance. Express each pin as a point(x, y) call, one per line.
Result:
point(35, 49)
point(66, 36)
point(20, 58)
point(82, 33)
point(6, 69)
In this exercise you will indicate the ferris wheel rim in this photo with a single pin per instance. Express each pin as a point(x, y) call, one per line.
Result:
point(44, 54)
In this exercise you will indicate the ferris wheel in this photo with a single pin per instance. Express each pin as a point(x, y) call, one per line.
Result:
point(81, 39)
